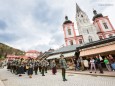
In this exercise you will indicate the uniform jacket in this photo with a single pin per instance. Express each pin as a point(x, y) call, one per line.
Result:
point(63, 63)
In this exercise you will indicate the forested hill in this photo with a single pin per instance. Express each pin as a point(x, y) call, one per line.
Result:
point(5, 50)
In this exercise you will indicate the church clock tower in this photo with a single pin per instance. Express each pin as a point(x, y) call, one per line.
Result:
point(85, 28)
point(69, 32)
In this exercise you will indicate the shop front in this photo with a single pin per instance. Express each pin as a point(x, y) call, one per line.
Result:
point(69, 56)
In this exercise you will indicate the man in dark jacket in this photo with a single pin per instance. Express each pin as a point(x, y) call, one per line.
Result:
point(76, 61)
point(36, 64)
point(98, 62)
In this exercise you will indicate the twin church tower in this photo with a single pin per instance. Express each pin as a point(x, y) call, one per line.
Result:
point(88, 32)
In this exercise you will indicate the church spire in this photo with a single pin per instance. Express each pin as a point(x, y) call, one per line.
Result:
point(78, 9)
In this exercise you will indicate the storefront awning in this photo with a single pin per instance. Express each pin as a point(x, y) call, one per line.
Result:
point(57, 56)
point(69, 54)
point(98, 50)
point(54, 56)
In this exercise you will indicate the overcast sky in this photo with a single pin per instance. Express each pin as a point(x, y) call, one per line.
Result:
point(37, 24)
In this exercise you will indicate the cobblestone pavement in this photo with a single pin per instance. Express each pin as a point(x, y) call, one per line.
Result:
point(54, 80)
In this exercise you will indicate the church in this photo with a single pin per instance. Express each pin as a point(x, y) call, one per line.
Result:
point(101, 28)
point(93, 39)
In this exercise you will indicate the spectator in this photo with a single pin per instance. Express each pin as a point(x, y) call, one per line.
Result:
point(112, 62)
point(86, 64)
point(92, 62)
point(53, 66)
point(106, 61)
point(82, 64)
point(98, 62)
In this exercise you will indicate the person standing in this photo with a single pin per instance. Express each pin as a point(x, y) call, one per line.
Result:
point(86, 64)
point(9, 65)
point(82, 63)
point(14, 66)
point(36, 67)
point(40, 66)
point(98, 62)
point(43, 64)
point(30, 70)
point(21, 67)
point(53, 66)
point(92, 62)
point(77, 59)
point(27, 67)
point(63, 65)
point(106, 61)
point(112, 62)
point(46, 66)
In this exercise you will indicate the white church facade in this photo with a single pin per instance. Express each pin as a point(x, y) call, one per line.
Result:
point(88, 32)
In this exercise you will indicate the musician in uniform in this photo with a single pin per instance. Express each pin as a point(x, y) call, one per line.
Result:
point(63, 65)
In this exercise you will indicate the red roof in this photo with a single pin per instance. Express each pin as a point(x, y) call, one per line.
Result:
point(12, 56)
point(26, 57)
point(32, 51)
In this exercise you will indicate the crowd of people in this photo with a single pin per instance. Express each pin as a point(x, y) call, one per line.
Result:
point(94, 63)
point(30, 66)
point(21, 66)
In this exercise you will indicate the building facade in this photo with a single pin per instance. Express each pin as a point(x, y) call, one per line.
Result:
point(103, 26)
point(88, 32)
point(32, 53)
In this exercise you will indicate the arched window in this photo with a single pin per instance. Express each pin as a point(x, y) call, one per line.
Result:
point(90, 39)
point(80, 41)
point(81, 15)
point(87, 31)
point(100, 37)
point(110, 35)
point(69, 31)
point(105, 25)
point(71, 42)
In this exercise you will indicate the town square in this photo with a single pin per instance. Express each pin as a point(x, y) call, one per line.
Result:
point(57, 43)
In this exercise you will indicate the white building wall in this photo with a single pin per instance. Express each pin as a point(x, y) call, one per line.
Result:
point(89, 30)
point(86, 28)
point(32, 54)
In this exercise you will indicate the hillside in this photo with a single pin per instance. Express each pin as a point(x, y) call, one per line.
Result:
point(5, 50)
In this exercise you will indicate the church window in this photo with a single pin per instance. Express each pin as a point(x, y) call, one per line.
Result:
point(80, 41)
point(90, 39)
point(100, 37)
point(71, 42)
point(110, 35)
point(69, 31)
point(87, 31)
point(105, 25)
